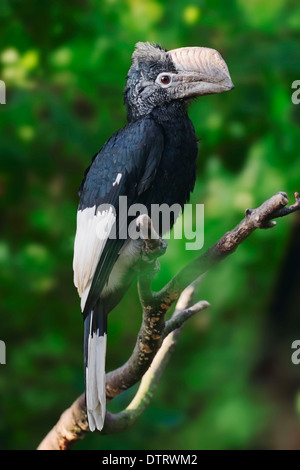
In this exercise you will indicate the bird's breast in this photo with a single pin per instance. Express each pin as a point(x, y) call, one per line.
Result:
point(176, 173)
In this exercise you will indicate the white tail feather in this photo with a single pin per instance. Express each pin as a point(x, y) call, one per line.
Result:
point(95, 380)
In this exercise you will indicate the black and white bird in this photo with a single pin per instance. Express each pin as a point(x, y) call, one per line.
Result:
point(152, 160)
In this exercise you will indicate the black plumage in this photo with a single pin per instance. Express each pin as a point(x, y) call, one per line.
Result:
point(152, 160)
point(158, 160)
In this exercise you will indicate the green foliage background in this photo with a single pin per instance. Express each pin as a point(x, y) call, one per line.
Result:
point(230, 383)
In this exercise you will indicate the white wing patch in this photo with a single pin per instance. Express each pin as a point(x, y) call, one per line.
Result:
point(92, 233)
point(118, 179)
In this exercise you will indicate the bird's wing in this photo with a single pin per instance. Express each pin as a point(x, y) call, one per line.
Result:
point(125, 166)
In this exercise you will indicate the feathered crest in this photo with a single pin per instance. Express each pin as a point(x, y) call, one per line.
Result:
point(147, 52)
point(144, 50)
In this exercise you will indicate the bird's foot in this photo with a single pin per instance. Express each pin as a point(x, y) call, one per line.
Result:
point(153, 249)
point(152, 246)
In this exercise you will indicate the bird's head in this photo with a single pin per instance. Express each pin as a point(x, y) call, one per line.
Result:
point(157, 76)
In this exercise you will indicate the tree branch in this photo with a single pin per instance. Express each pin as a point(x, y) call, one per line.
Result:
point(156, 340)
point(71, 427)
point(124, 419)
point(261, 217)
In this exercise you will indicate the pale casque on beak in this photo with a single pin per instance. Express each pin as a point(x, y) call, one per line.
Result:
point(200, 71)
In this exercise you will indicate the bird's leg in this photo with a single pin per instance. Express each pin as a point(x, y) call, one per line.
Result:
point(152, 246)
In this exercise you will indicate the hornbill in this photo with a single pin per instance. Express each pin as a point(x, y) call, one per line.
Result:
point(152, 160)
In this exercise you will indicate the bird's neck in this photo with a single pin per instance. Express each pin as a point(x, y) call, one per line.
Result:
point(162, 113)
point(173, 118)
point(169, 112)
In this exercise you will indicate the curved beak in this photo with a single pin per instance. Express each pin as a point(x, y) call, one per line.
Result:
point(200, 71)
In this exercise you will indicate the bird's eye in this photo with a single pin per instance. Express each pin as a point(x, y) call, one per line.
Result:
point(164, 79)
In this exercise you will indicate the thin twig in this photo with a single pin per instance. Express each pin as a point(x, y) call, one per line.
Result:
point(178, 319)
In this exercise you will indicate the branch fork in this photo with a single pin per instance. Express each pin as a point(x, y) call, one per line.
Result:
point(157, 339)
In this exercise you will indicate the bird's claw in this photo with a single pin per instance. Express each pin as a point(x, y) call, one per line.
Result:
point(152, 250)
